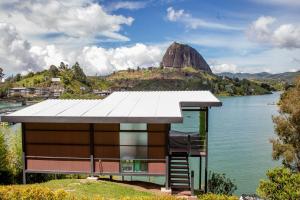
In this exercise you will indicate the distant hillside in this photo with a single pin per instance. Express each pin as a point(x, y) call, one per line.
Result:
point(181, 55)
point(286, 76)
point(77, 85)
point(186, 78)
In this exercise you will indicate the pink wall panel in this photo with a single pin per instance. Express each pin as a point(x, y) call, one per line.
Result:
point(107, 166)
point(156, 168)
point(58, 165)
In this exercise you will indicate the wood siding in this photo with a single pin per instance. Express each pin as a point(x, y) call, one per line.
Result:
point(66, 147)
point(56, 141)
point(157, 141)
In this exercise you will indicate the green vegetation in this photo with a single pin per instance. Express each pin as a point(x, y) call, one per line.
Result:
point(287, 126)
point(282, 183)
point(78, 85)
point(10, 155)
point(31, 192)
point(217, 197)
point(187, 78)
point(76, 189)
point(91, 189)
point(220, 184)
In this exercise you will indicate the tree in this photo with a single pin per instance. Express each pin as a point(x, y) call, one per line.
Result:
point(3, 152)
point(62, 66)
point(5, 175)
point(219, 184)
point(282, 183)
point(1, 74)
point(287, 127)
point(78, 73)
point(53, 71)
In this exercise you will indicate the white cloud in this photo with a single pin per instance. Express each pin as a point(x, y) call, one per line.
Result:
point(174, 15)
point(289, 3)
point(273, 60)
point(130, 5)
point(195, 23)
point(224, 68)
point(77, 19)
point(18, 55)
point(104, 61)
point(282, 36)
point(15, 52)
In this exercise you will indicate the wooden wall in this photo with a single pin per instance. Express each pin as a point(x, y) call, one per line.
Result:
point(66, 147)
point(106, 145)
point(157, 141)
point(55, 141)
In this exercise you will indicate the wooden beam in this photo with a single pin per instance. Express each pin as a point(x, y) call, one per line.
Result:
point(200, 172)
point(206, 158)
point(24, 164)
point(91, 133)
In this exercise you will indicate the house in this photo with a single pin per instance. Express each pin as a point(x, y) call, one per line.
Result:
point(20, 92)
point(41, 92)
point(55, 80)
point(102, 93)
point(125, 134)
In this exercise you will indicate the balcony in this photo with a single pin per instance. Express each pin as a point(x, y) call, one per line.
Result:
point(191, 143)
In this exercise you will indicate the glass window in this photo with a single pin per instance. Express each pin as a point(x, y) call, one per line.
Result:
point(133, 138)
point(133, 146)
point(190, 123)
point(134, 166)
point(133, 126)
point(133, 152)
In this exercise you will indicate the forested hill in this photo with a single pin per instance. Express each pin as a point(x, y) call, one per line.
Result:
point(288, 77)
point(77, 85)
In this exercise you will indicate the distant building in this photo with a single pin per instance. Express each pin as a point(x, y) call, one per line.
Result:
point(102, 93)
point(41, 92)
point(20, 92)
point(55, 80)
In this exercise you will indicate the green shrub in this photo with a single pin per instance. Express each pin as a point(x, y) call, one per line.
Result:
point(217, 197)
point(31, 193)
point(282, 183)
point(219, 184)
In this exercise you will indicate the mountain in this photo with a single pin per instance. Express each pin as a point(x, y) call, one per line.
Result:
point(182, 55)
point(285, 76)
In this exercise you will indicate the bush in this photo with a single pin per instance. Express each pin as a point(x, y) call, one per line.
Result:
point(282, 183)
point(219, 184)
point(217, 197)
point(32, 193)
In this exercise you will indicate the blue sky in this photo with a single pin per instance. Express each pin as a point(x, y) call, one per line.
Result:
point(104, 36)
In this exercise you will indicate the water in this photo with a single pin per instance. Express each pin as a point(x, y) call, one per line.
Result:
point(239, 134)
point(5, 105)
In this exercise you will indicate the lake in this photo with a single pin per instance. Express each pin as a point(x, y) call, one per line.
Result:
point(239, 134)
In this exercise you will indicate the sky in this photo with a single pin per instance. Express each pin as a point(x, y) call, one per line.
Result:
point(108, 35)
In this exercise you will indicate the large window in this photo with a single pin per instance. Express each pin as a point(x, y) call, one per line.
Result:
point(190, 123)
point(133, 147)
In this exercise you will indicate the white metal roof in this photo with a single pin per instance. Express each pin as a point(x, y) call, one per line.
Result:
point(119, 107)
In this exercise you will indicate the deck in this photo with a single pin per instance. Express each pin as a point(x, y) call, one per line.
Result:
point(192, 144)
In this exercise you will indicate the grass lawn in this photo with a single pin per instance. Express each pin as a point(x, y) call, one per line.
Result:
point(83, 188)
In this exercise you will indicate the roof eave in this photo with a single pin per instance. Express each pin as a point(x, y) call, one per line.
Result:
point(62, 119)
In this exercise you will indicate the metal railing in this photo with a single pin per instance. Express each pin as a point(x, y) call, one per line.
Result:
point(188, 142)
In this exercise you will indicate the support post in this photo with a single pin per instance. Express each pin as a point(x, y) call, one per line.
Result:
point(192, 183)
point(24, 153)
point(167, 173)
point(206, 148)
point(200, 172)
point(92, 150)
